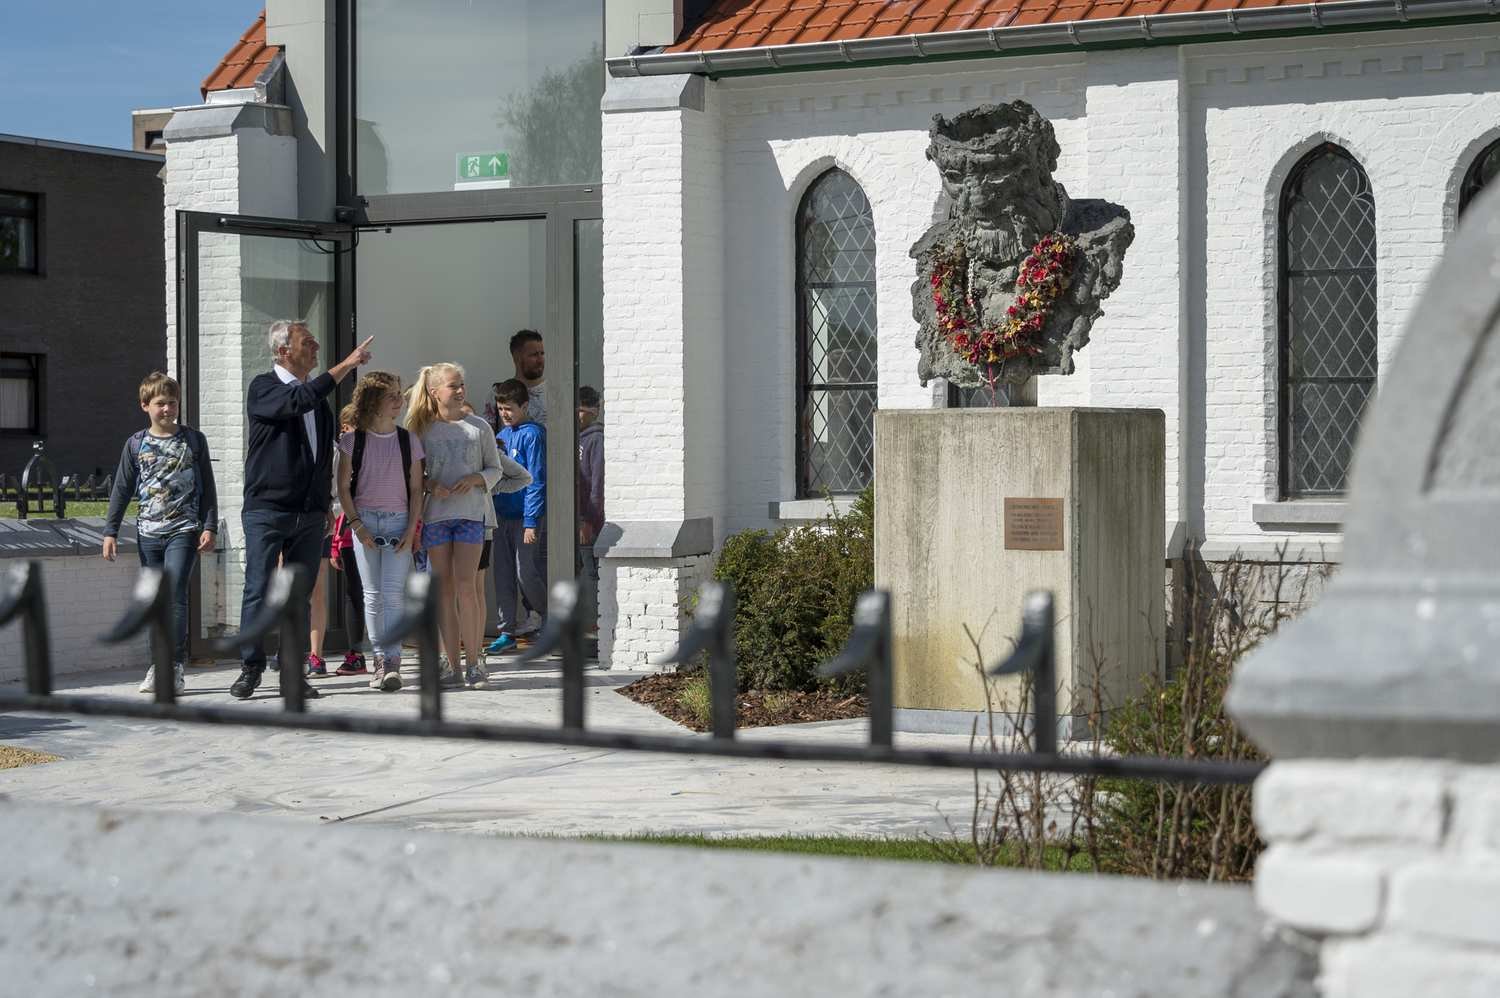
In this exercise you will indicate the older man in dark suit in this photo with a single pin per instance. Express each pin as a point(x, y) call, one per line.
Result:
point(288, 473)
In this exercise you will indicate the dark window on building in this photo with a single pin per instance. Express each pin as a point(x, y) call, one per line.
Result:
point(836, 346)
point(20, 393)
point(18, 233)
point(1481, 172)
point(1328, 319)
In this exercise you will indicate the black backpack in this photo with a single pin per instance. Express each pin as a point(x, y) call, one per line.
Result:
point(403, 437)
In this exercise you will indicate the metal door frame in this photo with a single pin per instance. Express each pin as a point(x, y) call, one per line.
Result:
point(190, 225)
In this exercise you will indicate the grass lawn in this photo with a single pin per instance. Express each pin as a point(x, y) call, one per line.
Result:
point(72, 509)
point(921, 850)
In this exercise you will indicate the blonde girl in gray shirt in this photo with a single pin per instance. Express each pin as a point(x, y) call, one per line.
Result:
point(463, 468)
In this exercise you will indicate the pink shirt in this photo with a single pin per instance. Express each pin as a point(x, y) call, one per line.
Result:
point(382, 480)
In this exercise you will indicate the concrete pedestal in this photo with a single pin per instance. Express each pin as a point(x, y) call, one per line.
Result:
point(1085, 494)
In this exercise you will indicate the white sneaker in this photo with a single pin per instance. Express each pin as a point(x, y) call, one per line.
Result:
point(179, 681)
point(148, 685)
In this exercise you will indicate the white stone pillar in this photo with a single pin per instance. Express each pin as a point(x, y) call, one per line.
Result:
point(238, 159)
point(663, 359)
point(1381, 706)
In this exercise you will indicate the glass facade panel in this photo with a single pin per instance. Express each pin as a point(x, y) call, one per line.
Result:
point(454, 294)
point(477, 94)
point(245, 283)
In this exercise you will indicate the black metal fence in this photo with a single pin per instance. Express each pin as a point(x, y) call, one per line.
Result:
point(711, 635)
point(38, 491)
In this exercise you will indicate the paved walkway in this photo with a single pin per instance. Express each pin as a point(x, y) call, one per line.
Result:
point(465, 786)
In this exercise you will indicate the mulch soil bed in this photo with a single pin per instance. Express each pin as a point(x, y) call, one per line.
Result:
point(756, 708)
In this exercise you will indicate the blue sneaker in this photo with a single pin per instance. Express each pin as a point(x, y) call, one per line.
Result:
point(503, 643)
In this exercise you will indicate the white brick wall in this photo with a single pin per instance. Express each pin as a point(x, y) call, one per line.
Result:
point(85, 596)
point(1194, 140)
point(1392, 866)
point(1413, 107)
point(646, 432)
point(643, 605)
point(254, 173)
point(782, 133)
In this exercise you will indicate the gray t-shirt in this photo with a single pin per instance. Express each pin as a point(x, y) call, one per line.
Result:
point(461, 448)
point(536, 404)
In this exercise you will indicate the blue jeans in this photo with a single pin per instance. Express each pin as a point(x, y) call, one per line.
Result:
point(382, 572)
point(175, 554)
point(298, 538)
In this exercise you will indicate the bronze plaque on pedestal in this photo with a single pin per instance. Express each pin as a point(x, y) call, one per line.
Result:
point(1033, 524)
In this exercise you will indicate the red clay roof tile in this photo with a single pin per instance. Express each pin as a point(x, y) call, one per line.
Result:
point(778, 22)
point(244, 62)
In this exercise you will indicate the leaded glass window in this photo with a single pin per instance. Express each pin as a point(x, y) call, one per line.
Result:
point(836, 348)
point(1328, 322)
point(1480, 173)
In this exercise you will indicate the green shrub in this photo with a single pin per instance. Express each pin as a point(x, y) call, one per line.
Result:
point(1173, 831)
point(795, 591)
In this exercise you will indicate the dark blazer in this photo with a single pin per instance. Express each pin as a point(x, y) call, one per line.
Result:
point(280, 472)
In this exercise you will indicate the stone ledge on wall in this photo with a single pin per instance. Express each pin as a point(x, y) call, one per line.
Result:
point(1298, 513)
point(809, 510)
point(213, 121)
point(656, 538)
point(1291, 549)
point(49, 537)
point(84, 594)
point(137, 897)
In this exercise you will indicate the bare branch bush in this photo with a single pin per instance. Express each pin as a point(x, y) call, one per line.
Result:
point(1143, 828)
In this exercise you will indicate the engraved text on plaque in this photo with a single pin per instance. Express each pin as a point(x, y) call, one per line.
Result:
point(1033, 524)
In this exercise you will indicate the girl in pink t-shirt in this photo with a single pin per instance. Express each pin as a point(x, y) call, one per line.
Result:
point(384, 498)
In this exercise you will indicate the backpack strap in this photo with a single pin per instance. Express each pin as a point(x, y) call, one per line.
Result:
point(357, 459)
point(403, 437)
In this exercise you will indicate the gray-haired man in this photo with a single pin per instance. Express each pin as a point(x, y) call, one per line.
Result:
point(288, 473)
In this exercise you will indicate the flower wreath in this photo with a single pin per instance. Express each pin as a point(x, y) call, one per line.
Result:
point(1043, 276)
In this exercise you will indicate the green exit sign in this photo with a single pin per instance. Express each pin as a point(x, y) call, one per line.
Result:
point(483, 166)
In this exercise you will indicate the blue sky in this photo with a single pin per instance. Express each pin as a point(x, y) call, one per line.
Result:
point(73, 70)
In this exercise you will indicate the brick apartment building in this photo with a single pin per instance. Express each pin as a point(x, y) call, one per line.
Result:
point(82, 295)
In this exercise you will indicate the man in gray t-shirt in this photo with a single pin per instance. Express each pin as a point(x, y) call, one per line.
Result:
point(530, 359)
point(529, 356)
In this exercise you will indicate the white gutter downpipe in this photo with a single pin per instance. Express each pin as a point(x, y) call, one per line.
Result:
point(1148, 29)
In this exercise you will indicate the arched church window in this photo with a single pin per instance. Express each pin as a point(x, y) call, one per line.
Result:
point(836, 340)
point(1480, 173)
point(1328, 319)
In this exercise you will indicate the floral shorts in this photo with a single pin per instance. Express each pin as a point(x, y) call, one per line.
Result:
point(452, 532)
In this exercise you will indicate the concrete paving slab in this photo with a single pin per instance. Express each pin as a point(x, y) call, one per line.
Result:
point(465, 786)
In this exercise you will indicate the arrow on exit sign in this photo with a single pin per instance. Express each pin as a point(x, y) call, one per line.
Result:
point(483, 166)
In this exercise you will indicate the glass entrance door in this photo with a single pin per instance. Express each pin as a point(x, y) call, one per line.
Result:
point(458, 291)
point(236, 275)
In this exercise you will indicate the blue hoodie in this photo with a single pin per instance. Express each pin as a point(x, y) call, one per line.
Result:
point(525, 444)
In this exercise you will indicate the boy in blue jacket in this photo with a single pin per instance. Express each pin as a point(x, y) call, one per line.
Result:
point(520, 516)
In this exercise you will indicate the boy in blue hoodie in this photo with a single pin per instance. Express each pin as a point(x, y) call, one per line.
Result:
point(520, 516)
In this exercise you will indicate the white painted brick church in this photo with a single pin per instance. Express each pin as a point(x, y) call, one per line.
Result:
point(723, 252)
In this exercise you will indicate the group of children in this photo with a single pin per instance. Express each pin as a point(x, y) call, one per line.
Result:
point(444, 493)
